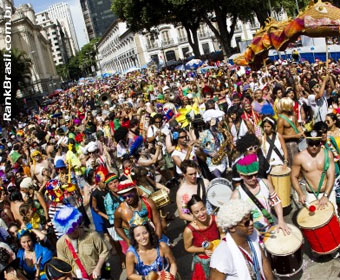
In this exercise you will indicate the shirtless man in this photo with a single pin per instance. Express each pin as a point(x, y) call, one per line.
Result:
point(132, 203)
point(291, 132)
point(38, 163)
point(188, 188)
point(311, 163)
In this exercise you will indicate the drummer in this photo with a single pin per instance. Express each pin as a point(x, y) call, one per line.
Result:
point(317, 167)
point(260, 194)
point(273, 145)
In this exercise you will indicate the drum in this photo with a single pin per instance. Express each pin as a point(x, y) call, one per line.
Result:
point(282, 185)
point(219, 191)
point(160, 198)
point(321, 228)
point(284, 251)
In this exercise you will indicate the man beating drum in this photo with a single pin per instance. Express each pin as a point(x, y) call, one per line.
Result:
point(317, 167)
point(260, 194)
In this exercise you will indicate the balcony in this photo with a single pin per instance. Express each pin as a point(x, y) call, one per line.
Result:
point(182, 40)
point(168, 44)
point(153, 46)
point(204, 35)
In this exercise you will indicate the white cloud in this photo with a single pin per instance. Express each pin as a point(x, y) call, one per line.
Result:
point(79, 23)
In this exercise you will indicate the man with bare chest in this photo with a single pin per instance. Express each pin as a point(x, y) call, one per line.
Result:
point(38, 164)
point(317, 167)
point(132, 203)
point(189, 186)
point(288, 127)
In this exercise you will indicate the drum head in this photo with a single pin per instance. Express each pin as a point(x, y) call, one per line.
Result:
point(279, 170)
point(279, 244)
point(319, 218)
point(219, 192)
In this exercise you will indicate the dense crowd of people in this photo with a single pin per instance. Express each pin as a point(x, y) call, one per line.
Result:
point(90, 176)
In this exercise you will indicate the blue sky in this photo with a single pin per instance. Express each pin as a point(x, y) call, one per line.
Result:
point(78, 20)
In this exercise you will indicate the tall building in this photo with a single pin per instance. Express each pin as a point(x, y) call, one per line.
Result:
point(58, 38)
point(29, 37)
point(98, 16)
point(61, 12)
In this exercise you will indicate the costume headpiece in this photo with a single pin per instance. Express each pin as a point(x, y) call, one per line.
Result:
point(125, 182)
point(101, 173)
point(110, 177)
point(57, 268)
point(248, 165)
point(313, 135)
point(67, 219)
point(53, 191)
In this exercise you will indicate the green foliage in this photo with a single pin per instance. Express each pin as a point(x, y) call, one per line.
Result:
point(20, 69)
point(80, 64)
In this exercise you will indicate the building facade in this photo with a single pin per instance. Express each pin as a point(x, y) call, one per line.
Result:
point(59, 40)
point(61, 12)
point(98, 16)
point(29, 37)
point(119, 49)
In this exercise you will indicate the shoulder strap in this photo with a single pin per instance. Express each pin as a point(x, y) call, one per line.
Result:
point(77, 260)
point(258, 204)
point(271, 143)
point(148, 207)
point(290, 123)
point(323, 174)
point(201, 188)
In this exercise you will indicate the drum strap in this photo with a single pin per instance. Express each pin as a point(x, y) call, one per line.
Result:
point(323, 174)
point(272, 147)
point(259, 205)
point(201, 188)
point(290, 123)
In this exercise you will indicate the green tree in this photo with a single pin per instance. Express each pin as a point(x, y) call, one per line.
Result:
point(20, 74)
point(87, 56)
point(147, 14)
point(63, 72)
point(20, 69)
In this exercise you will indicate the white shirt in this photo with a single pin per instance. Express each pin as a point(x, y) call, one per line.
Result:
point(319, 107)
point(228, 259)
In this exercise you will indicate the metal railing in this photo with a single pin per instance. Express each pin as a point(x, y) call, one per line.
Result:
point(182, 39)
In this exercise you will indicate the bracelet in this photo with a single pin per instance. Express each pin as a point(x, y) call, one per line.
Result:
point(325, 194)
point(285, 161)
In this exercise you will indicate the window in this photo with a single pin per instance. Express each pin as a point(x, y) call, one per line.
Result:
point(170, 55)
point(185, 52)
point(206, 48)
point(238, 40)
point(165, 36)
point(155, 58)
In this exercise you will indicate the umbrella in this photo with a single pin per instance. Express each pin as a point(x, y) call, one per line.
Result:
point(204, 70)
point(132, 69)
point(180, 67)
point(193, 64)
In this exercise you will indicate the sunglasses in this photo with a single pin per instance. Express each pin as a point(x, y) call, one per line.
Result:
point(247, 222)
point(313, 143)
point(125, 196)
point(250, 176)
point(252, 148)
point(181, 137)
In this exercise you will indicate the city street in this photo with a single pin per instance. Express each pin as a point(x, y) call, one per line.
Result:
point(312, 269)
